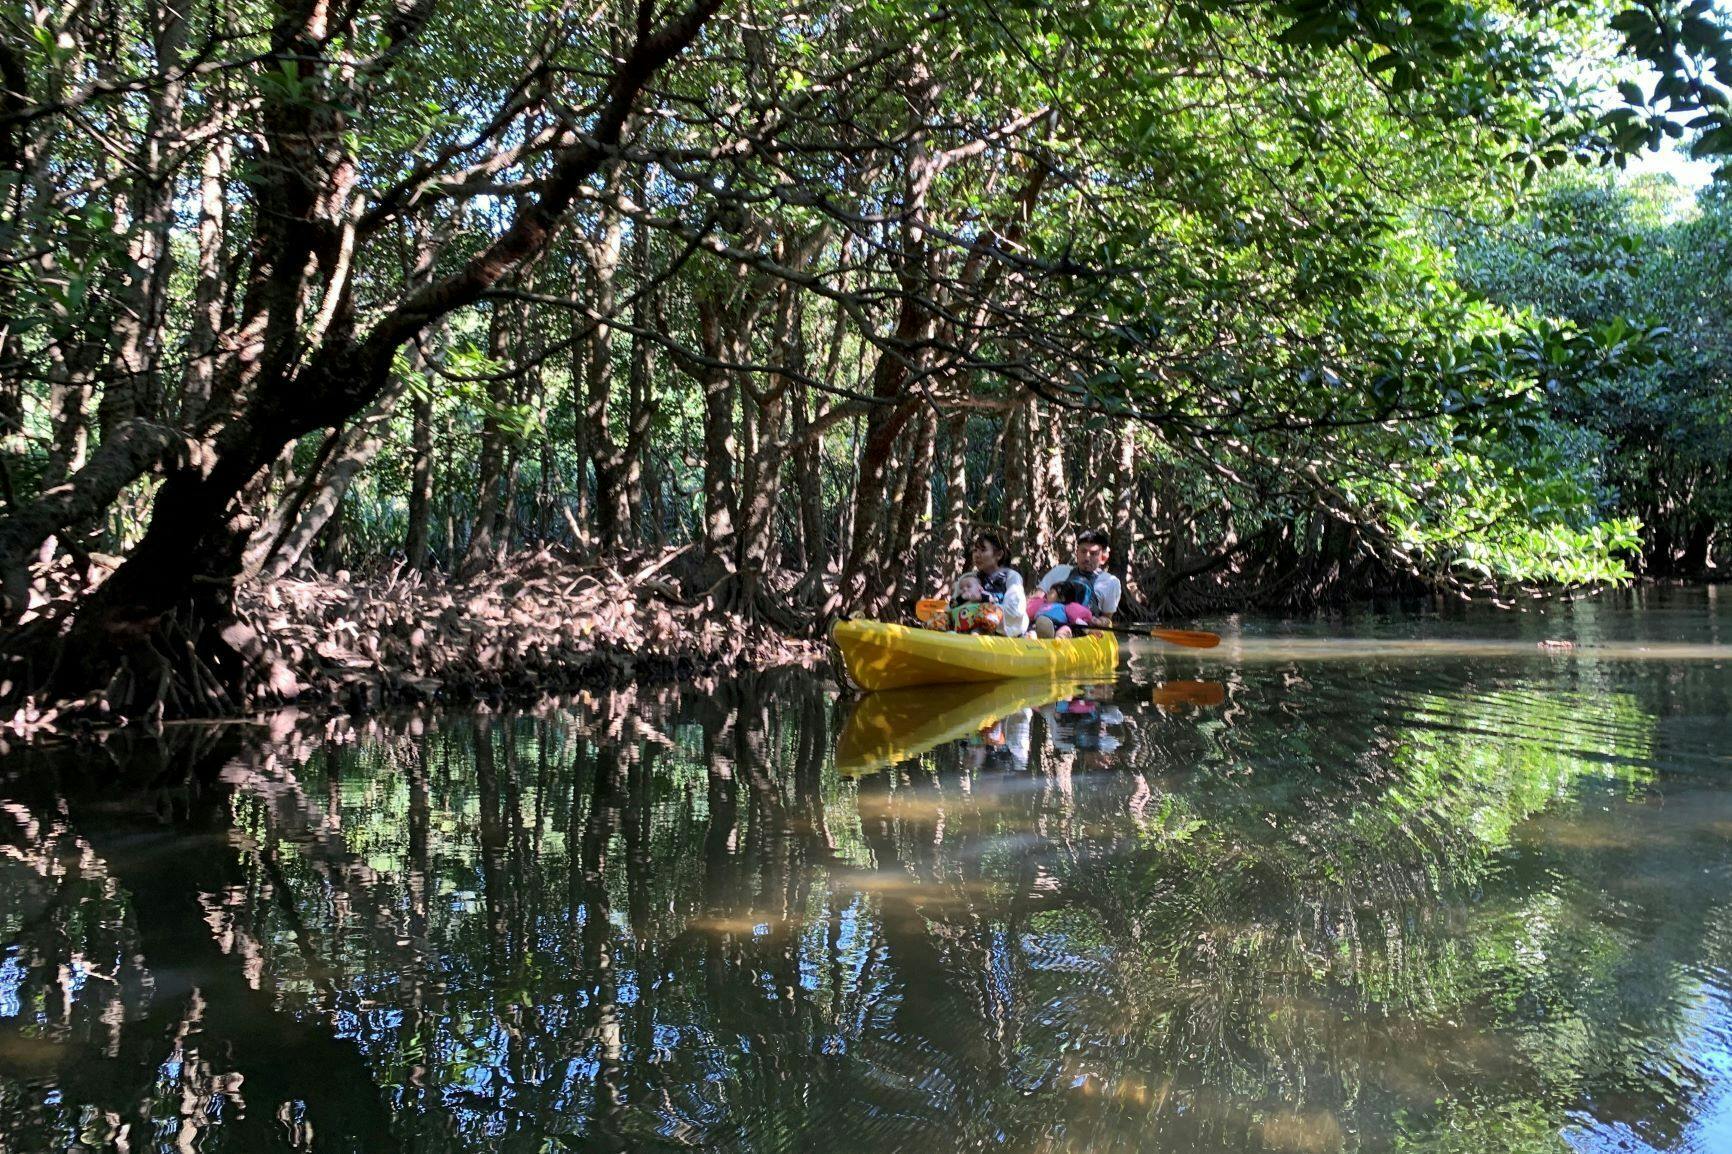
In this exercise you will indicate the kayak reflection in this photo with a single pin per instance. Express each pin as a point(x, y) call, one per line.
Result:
point(896, 725)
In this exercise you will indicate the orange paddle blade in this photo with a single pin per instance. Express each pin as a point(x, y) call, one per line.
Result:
point(1173, 694)
point(1189, 638)
point(929, 608)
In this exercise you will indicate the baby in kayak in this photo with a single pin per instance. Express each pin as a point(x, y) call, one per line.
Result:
point(1060, 611)
point(971, 611)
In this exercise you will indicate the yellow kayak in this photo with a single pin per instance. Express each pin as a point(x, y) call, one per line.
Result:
point(883, 656)
point(899, 724)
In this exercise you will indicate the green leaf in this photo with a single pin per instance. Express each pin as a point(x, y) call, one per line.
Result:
point(1714, 142)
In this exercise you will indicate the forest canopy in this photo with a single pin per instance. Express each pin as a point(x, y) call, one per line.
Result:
point(1299, 300)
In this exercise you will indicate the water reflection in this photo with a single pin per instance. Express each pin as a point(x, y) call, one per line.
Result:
point(1463, 905)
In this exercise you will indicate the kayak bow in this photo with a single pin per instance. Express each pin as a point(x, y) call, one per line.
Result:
point(884, 656)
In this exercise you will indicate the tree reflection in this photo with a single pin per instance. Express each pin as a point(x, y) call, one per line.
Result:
point(1310, 919)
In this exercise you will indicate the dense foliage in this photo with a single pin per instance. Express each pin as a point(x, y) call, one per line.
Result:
point(812, 289)
point(1589, 249)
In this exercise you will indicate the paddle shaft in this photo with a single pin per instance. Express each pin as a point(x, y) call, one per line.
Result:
point(1189, 638)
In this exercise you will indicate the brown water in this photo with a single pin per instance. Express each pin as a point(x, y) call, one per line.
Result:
point(1403, 882)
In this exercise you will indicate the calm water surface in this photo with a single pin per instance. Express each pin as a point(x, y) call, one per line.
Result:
point(1403, 882)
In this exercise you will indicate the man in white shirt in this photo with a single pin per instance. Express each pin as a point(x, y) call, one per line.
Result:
point(1093, 550)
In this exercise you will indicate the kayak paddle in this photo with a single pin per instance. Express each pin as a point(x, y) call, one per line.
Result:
point(1189, 638)
point(929, 609)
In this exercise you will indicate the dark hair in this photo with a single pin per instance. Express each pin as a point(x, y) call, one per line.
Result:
point(1068, 592)
point(988, 537)
point(1094, 537)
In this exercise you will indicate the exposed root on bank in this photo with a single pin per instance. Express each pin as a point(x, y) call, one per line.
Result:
point(539, 620)
point(536, 622)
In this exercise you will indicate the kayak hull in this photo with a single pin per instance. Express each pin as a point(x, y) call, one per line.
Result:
point(884, 656)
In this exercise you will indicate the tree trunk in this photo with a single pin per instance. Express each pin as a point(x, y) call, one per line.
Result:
point(721, 496)
point(1694, 563)
point(420, 480)
point(82, 497)
point(207, 305)
point(299, 522)
point(581, 432)
point(859, 589)
point(654, 497)
point(763, 474)
point(953, 545)
point(814, 551)
point(593, 378)
point(640, 413)
point(1658, 553)
point(133, 388)
point(544, 488)
point(908, 352)
point(1124, 488)
point(845, 537)
point(491, 464)
point(721, 500)
point(178, 585)
point(759, 500)
point(507, 518)
point(1018, 506)
point(912, 523)
point(619, 466)
point(71, 385)
point(336, 545)
point(1051, 498)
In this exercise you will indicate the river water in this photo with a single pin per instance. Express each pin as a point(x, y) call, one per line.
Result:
point(1409, 882)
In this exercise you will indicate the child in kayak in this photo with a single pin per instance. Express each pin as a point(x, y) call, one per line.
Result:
point(971, 610)
point(1060, 610)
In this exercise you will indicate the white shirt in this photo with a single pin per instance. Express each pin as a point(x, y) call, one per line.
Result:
point(1015, 603)
point(1016, 729)
point(1107, 587)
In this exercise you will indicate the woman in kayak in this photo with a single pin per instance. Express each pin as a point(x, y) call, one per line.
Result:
point(1001, 584)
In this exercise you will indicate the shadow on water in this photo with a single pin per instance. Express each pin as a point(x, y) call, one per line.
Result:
point(1459, 903)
